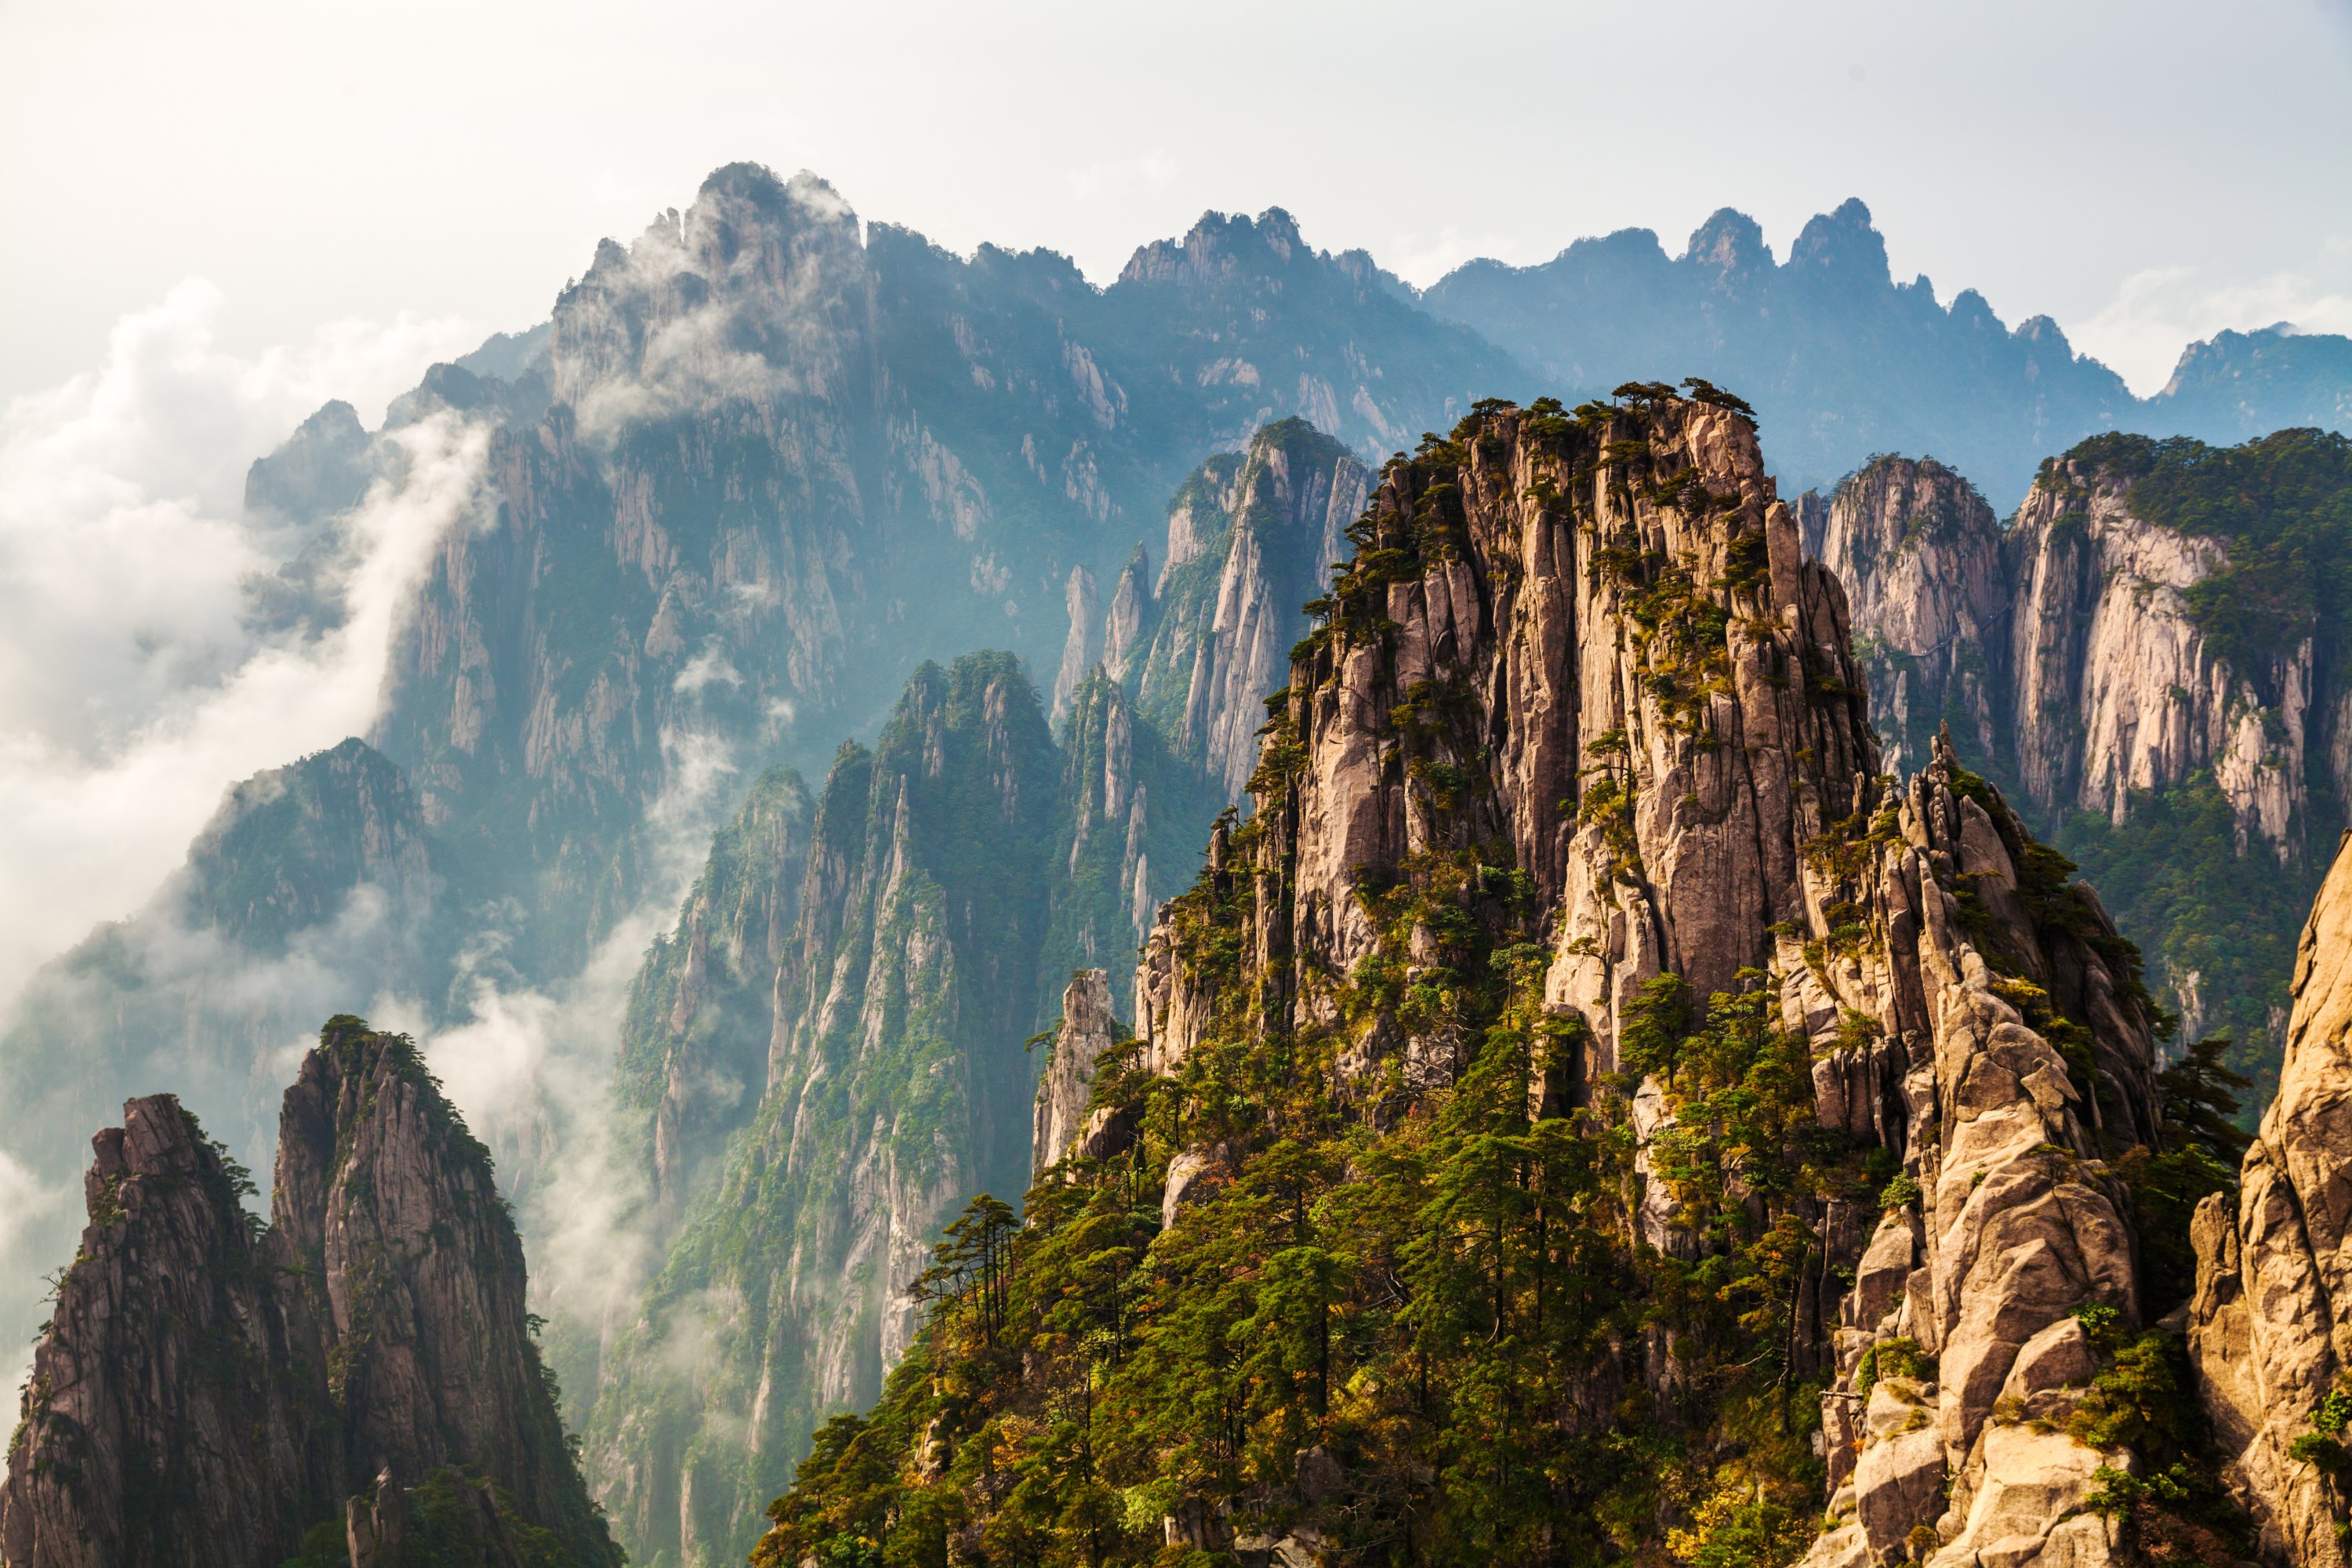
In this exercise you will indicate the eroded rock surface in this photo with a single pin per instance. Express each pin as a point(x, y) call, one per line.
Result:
point(211, 1391)
point(2275, 1275)
point(1708, 803)
point(1087, 1030)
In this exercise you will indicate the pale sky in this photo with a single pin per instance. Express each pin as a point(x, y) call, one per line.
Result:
point(2143, 170)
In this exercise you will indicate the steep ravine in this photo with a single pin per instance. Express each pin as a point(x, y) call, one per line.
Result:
point(2147, 658)
point(1585, 1100)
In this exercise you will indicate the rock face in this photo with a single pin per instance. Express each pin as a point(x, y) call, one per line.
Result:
point(1724, 813)
point(1087, 1030)
point(385, 1198)
point(129, 1453)
point(1250, 537)
point(891, 1086)
point(823, 1060)
point(2129, 660)
point(2241, 386)
point(1920, 555)
point(785, 463)
point(2117, 687)
point(1578, 708)
point(2273, 1289)
point(694, 1041)
point(312, 883)
point(212, 1392)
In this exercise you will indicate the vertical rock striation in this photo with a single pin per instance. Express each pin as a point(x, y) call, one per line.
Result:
point(1672, 740)
point(1087, 1030)
point(173, 1415)
point(2274, 1267)
point(1920, 555)
point(1250, 536)
point(210, 1390)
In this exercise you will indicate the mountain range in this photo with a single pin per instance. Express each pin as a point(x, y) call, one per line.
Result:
point(858, 643)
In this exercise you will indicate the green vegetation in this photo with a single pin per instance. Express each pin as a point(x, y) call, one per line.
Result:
point(2173, 876)
point(2280, 506)
point(1423, 1317)
point(2172, 1506)
point(453, 1520)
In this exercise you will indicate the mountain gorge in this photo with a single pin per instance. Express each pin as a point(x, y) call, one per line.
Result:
point(2148, 657)
point(1579, 1011)
point(1595, 1031)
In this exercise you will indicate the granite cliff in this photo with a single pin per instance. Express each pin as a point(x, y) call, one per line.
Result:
point(826, 1060)
point(2265, 1329)
point(1581, 1056)
point(210, 1390)
point(2146, 657)
point(313, 885)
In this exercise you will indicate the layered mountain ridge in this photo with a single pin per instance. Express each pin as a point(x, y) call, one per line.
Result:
point(1579, 1010)
point(764, 463)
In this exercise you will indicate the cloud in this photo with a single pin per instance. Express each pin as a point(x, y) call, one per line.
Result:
point(27, 1205)
point(130, 694)
point(2159, 311)
point(531, 1068)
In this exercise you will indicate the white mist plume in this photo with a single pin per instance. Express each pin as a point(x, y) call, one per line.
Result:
point(531, 1069)
point(131, 697)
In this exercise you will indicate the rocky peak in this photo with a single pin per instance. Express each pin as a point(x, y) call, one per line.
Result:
point(289, 846)
point(1920, 554)
point(1083, 649)
point(213, 1392)
point(758, 291)
point(1596, 640)
point(1250, 538)
point(1218, 247)
point(1130, 606)
point(321, 470)
point(128, 1453)
point(1572, 787)
point(389, 1203)
point(1844, 246)
point(1729, 242)
point(694, 1033)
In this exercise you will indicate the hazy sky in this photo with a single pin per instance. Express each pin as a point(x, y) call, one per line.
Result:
point(2143, 170)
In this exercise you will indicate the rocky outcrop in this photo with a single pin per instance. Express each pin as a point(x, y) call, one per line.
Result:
point(1087, 1030)
point(1250, 537)
point(1599, 643)
point(2274, 1267)
point(1920, 555)
point(312, 883)
point(210, 1390)
point(173, 1416)
point(823, 1060)
point(2132, 661)
point(1084, 649)
point(2119, 688)
point(2236, 386)
point(387, 1203)
point(789, 456)
point(894, 1086)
